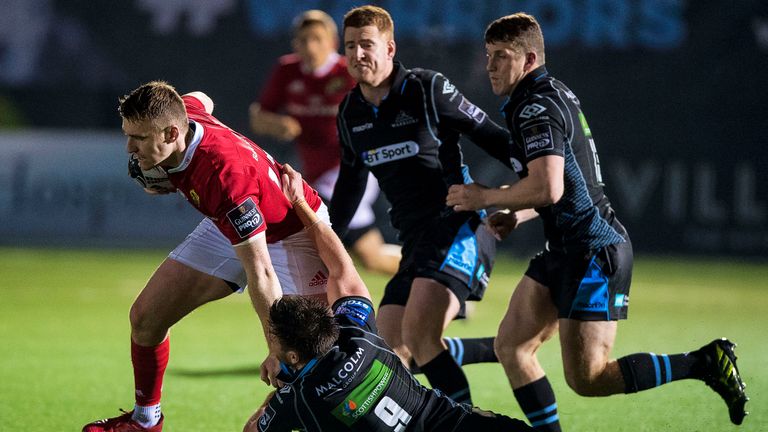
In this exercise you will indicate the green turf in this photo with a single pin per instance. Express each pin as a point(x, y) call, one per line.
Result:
point(65, 345)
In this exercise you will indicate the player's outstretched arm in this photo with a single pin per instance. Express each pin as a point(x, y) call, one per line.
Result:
point(263, 284)
point(343, 279)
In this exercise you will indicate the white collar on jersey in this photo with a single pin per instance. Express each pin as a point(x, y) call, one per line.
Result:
point(324, 69)
point(190, 151)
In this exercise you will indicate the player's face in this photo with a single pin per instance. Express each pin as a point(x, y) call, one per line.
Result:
point(506, 67)
point(314, 43)
point(148, 142)
point(369, 53)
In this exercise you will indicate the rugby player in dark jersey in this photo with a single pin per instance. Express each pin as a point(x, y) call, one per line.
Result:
point(338, 373)
point(403, 125)
point(580, 283)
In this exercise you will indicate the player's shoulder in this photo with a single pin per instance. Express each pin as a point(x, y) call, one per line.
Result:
point(425, 75)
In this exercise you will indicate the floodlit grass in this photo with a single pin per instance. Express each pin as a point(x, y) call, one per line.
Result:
point(65, 336)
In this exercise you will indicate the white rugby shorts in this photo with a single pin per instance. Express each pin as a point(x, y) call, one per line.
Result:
point(295, 260)
point(364, 215)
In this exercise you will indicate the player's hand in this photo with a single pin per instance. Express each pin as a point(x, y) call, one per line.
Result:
point(293, 185)
point(503, 222)
point(270, 367)
point(252, 424)
point(289, 128)
point(466, 197)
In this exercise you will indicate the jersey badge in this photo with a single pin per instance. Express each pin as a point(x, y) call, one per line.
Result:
point(403, 119)
point(194, 197)
point(537, 138)
point(532, 110)
point(318, 279)
point(334, 85)
point(516, 165)
point(246, 218)
point(471, 110)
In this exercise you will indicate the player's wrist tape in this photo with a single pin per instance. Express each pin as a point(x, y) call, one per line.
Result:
point(307, 216)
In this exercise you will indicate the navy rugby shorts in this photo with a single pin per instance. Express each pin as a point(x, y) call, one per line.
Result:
point(454, 250)
point(587, 286)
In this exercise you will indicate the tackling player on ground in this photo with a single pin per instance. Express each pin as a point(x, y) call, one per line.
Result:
point(579, 284)
point(339, 374)
point(250, 236)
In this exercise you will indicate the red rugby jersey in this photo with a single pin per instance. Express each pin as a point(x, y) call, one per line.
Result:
point(312, 98)
point(234, 182)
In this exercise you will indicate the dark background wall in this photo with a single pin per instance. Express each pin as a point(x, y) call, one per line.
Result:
point(674, 91)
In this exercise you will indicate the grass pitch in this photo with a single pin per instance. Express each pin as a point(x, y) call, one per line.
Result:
point(65, 345)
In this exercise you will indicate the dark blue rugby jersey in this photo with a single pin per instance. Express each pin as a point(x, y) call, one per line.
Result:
point(360, 384)
point(545, 118)
point(410, 142)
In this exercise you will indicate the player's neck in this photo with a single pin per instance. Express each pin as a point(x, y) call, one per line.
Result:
point(375, 95)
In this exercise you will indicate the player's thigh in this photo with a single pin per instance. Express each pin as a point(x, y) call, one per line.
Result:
point(530, 320)
point(431, 307)
point(173, 291)
point(298, 265)
point(586, 346)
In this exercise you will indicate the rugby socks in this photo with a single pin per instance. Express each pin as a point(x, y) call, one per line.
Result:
point(537, 400)
point(148, 369)
point(446, 375)
point(146, 416)
point(648, 370)
point(472, 350)
point(466, 351)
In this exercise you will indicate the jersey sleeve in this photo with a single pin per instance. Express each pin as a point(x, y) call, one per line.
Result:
point(350, 185)
point(273, 93)
point(356, 311)
point(280, 415)
point(238, 215)
point(540, 129)
point(193, 105)
point(453, 110)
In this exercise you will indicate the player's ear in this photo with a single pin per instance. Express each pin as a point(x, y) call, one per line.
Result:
point(171, 134)
point(292, 357)
point(530, 61)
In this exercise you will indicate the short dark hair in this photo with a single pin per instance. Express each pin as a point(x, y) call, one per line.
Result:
point(304, 325)
point(155, 101)
point(312, 17)
point(370, 15)
point(519, 29)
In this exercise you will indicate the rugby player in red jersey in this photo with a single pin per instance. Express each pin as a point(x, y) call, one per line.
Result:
point(250, 236)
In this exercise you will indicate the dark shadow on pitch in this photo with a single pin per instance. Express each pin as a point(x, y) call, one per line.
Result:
point(252, 371)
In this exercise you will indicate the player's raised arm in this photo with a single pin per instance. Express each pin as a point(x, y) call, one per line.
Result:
point(343, 279)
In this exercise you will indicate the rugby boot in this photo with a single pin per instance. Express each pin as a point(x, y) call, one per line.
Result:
point(722, 375)
point(122, 423)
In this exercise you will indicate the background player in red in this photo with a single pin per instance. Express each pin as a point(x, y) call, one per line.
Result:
point(299, 103)
point(250, 236)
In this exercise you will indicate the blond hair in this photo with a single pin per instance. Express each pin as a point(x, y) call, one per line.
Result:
point(155, 101)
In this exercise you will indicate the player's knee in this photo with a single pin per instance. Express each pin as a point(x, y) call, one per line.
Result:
point(511, 351)
point(583, 383)
point(141, 320)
